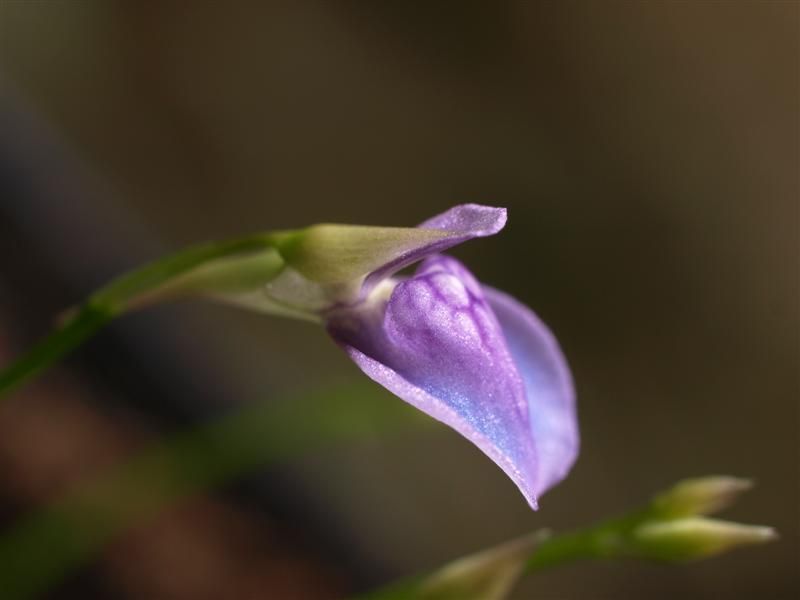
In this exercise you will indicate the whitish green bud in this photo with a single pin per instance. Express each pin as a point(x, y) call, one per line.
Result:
point(695, 538)
point(699, 496)
point(487, 575)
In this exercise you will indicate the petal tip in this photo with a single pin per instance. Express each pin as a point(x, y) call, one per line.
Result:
point(531, 497)
point(474, 220)
point(488, 220)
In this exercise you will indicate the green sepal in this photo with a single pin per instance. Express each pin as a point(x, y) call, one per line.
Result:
point(336, 254)
point(214, 267)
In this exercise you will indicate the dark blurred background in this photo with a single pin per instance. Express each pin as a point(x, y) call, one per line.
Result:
point(648, 154)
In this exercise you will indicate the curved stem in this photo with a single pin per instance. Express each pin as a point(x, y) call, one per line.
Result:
point(245, 262)
point(601, 540)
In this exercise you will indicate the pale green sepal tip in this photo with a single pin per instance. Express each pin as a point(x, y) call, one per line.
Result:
point(694, 538)
point(330, 254)
point(486, 575)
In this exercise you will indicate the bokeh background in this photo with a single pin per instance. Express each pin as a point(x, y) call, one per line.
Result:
point(648, 154)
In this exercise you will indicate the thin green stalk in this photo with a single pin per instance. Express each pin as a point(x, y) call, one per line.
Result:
point(671, 528)
point(601, 540)
point(161, 279)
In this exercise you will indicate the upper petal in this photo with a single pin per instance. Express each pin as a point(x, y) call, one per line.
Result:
point(459, 224)
point(437, 344)
point(548, 386)
point(338, 254)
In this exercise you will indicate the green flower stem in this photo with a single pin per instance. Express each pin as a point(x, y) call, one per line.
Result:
point(604, 540)
point(564, 549)
point(656, 532)
point(547, 552)
point(246, 262)
point(43, 547)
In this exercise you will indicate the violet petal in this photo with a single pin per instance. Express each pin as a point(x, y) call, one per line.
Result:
point(437, 344)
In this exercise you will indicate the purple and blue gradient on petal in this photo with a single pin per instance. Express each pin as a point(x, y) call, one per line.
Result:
point(467, 355)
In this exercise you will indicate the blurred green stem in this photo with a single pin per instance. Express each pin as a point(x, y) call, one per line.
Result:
point(43, 547)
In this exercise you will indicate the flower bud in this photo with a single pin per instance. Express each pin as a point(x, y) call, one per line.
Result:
point(699, 496)
point(488, 575)
point(694, 538)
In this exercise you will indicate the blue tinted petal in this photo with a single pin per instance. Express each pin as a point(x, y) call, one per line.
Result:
point(548, 386)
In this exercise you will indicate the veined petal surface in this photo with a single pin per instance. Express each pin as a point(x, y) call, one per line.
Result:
point(437, 344)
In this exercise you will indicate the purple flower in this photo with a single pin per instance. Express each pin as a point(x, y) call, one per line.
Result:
point(466, 354)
